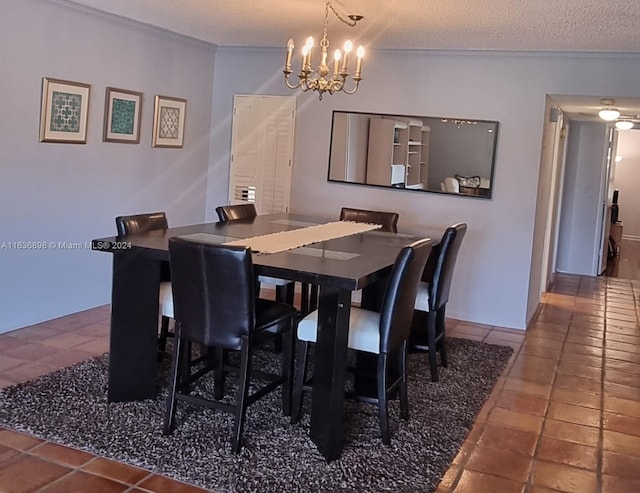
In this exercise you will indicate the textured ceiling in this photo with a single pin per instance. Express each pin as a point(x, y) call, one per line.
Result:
point(565, 25)
point(504, 25)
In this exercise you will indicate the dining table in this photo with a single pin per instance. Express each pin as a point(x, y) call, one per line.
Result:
point(338, 266)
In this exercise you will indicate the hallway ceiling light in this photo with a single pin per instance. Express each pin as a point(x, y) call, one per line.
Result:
point(624, 125)
point(609, 114)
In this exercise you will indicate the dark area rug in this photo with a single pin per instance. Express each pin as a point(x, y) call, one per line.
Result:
point(69, 407)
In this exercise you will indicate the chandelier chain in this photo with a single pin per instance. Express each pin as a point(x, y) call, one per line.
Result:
point(348, 22)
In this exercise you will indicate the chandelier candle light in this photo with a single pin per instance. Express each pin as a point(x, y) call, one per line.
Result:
point(321, 83)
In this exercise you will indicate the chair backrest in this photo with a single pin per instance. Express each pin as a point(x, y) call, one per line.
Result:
point(396, 314)
point(236, 211)
point(439, 270)
point(389, 220)
point(141, 223)
point(213, 291)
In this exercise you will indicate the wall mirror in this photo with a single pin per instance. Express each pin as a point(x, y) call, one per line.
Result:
point(427, 153)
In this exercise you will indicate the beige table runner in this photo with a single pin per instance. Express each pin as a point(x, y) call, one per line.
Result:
point(288, 240)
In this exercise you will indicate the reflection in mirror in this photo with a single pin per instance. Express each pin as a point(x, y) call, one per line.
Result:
point(432, 154)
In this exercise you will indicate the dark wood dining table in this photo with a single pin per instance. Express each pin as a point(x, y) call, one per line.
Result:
point(338, 266)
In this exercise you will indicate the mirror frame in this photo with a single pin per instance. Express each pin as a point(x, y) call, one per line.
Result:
point(475, 192)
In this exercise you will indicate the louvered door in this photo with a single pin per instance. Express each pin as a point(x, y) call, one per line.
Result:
point(262, 152)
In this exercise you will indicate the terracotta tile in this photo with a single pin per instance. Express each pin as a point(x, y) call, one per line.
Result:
point(64, 358)
point(8, 343)
point(163, 484)
point(449, 478)
point(519, 401)
point(574, 414)
point(27, 473)
point(584, 399)
point(499, 437)
point(561, 430)
point(612, 484)
point(626, 466)
point(95, 348)
point(570, 347)
point(516, 420)
point(622, 346)
point(32, 351)
point(623, 366)
point(621, 443)
point(622, 424)
point(17, 440)
point(7, 453)
point(582, 359)
point(115, 470)
point(621, 391)
point(629, 339)
point(622, 378)
point(572, 454)
point(505, 336)
point(477, 482)
point(586, 340)
point(5, 383)
point(617, 405)
point(541, 351)
point(59, 453)
point(533, 369)
point(67, 340)
point(580, 370)
point(463, 453)
point(577, 383)
point(622, 355)
point(9, 362)
point(81, 481)
point(500, 462)
point(526, 387)
point(564, 478)
point(29, 371)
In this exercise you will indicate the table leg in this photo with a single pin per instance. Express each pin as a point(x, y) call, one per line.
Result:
point(134, 327)
point(327, 405)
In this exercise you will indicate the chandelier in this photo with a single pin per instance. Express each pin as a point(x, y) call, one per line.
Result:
point(322, 82)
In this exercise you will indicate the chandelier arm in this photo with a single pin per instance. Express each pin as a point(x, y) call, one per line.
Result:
point(355, 87)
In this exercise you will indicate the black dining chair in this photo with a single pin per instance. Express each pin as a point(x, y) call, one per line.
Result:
point(428, 332)
point(234, 212)
point(285, 290)
point(388, 220)
point(216, 306)
point(142, 223)
point(384, 333)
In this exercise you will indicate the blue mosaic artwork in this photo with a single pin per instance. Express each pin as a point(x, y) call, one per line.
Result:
point(65, 112)
point(169, 123)
point(122, 116)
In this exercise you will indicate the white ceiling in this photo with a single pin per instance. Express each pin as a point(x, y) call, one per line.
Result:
point(511, 25)
point(565, 25)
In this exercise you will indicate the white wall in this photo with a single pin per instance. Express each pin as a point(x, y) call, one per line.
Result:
point(492, 277)
point(627, 181)
point(71, 192)
point(581, 208)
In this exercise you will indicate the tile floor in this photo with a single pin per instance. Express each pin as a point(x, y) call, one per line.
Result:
point(565, 415)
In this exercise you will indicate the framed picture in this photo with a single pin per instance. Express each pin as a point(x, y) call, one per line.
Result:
point(122, 113)
point(168, 122)
point(63, 111)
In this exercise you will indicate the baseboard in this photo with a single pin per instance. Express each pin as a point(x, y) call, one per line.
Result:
point(631, 238)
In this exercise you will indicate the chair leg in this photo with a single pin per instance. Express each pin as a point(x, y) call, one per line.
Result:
point(164, 334)
point(301, 371)
point(383, 406)
point(304, 299)
point(313, 298)
point(219, 376)
point(241, 396)
point(431, 341)
point(404, 396)
point(176, 370)
point(287, 368)
point(442, 336)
